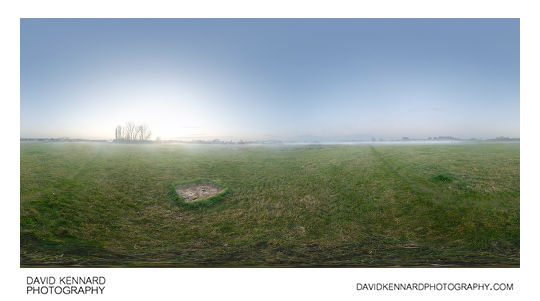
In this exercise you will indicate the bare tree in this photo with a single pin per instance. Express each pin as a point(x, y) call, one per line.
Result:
point(144, 132)
point(118, 133)
point(129, 131)
point(132, 132)
point(139, 133)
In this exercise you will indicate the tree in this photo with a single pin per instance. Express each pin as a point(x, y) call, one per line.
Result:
point(138, 133)
point(143, 133)
point(147, 135)
point(129, 131)
point(118, 133)
point(132, 133)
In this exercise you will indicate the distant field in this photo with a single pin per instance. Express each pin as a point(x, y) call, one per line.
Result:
point(103, 204)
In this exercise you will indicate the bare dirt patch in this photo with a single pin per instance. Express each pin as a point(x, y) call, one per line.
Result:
point(197, 191)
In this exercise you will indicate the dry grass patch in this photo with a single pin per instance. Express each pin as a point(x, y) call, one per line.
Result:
point(198, 191)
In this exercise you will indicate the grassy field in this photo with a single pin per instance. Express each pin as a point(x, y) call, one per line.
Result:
point(99, 204)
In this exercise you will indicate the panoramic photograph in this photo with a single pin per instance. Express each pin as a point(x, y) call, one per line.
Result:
point(270, 143)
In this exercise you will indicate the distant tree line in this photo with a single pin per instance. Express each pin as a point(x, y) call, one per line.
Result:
point(64, 139)
point(131, 133)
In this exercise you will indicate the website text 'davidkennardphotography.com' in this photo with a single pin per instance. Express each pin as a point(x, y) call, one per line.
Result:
point(435, 286)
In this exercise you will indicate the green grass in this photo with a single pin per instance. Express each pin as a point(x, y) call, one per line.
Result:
point(91, 204)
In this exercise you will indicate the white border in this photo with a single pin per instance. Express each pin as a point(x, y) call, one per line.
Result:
point(269, 284)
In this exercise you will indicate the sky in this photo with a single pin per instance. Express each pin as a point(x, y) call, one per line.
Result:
point(281, 79)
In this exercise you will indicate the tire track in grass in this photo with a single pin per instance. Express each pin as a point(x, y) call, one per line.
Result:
point(431, 218)
point(422, 194)
point(423, 219)
point(84, 168)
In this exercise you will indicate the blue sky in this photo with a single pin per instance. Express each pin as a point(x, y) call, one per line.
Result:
point(270, 78)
